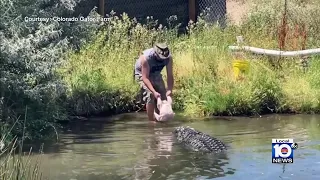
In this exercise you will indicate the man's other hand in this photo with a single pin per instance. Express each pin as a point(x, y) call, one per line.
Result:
point(169, 93)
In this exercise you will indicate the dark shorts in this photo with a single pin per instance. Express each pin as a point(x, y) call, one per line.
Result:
point(158, 85)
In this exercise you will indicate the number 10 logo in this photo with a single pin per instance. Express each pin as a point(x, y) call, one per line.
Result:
point(282, 150)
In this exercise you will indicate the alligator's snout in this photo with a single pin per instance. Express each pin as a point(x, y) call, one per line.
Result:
point(197, 140)
point(178, 129)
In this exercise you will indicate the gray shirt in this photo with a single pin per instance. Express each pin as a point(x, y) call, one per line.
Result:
point(155, 65)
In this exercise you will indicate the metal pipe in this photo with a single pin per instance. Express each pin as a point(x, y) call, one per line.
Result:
point(276, 52)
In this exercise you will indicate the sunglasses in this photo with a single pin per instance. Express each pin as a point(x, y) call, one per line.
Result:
point(164, 52)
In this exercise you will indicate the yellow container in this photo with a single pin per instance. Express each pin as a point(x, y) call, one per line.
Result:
point(240, 66)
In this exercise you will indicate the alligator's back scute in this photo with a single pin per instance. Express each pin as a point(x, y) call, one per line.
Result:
point(197, 140)
point(214, 143)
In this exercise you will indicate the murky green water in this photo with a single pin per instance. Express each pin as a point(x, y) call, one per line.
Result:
point(133, 148)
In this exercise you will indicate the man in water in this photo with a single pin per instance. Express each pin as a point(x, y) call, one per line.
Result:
point(147, 73)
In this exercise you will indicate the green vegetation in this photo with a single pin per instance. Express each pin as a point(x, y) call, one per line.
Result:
point(14, 164)
point(17, 166)
point(99, 77)
point(30, 53)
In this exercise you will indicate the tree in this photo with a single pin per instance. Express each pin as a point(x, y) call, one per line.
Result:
point(32, 48)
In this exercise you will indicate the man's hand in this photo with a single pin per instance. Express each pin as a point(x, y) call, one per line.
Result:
point(156, 94)
point(169, 93)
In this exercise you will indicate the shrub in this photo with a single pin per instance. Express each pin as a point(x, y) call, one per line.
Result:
point(31, 51)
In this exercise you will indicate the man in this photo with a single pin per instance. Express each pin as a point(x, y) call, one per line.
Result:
point(147, 72)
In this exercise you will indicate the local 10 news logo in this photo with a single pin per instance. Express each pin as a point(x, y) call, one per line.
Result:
point(282, 150)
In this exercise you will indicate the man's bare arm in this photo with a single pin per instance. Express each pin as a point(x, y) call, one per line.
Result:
point(145, 74)
point(170, 79)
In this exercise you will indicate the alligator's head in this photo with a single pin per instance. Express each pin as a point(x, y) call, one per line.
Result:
point(181, 131)
point(178, 130)
point(198, 140)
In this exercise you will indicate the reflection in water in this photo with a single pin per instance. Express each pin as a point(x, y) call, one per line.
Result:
point(189, 166)
point(137, 149)
point(165, 160)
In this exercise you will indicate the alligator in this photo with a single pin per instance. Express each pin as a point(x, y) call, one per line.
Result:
point(198, 141)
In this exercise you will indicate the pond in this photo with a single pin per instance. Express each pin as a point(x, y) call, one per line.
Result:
point(131, 147)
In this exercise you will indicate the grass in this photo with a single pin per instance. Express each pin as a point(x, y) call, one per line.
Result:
point(18, 166)
point(15, 164)
point(100, 79)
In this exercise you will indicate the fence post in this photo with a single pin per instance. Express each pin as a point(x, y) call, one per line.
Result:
point(101, 8)
point(192, 10)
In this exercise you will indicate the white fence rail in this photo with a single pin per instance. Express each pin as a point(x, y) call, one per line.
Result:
point(275, 52)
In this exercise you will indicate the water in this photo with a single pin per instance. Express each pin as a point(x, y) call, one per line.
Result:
point(134, 148)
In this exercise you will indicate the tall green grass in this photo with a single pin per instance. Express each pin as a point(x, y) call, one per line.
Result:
point(100, 78)
point(14, 163)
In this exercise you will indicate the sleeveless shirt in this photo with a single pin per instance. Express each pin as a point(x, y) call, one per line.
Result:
point(155, 65)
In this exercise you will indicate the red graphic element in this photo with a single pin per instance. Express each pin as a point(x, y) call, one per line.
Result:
point(284, 150)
